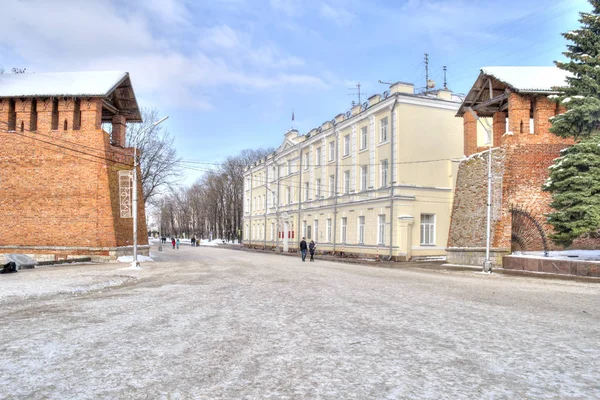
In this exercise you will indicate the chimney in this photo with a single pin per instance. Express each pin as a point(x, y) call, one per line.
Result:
point(402, 87)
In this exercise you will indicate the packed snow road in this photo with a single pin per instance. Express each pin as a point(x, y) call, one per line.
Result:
point(209, 323)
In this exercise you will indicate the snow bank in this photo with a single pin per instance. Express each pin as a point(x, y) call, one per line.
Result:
point(583, 255)
point(128, 259)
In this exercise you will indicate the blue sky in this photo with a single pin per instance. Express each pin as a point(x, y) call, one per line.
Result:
point(229, 72)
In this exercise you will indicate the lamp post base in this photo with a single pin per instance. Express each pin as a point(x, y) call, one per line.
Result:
point(135, 264)
point(487, 266)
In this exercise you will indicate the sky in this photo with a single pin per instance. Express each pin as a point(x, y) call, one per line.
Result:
point(228, 73)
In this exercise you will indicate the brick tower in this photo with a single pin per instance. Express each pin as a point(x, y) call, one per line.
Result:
point(65, 183)
point(515, 100)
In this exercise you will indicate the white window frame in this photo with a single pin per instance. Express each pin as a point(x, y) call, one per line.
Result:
point(316, 229)
point(364, 177)
point(272, 231)
point(343, 229)
point(288, 193)
point(381, 229)
point(332, 150)
point(306, 160)
point(304, 225)
point(346, 145)
point(347, 181)
point(318, 156)
point(383, 166)
point(360, 239)
point(383, 123)
point(306, 191)
point(427, 230)
point(364, 138)
point(331, 185)
point(328, 230)
point(318, 188)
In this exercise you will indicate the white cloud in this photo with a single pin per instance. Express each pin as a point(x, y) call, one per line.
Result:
point(338, 14)
point(164, 69)
point(291, 8)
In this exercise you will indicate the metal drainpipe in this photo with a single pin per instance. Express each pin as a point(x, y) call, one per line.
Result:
point(392, 180)
point(265, 205)
point(335, 186)
point(277, 208)
point(251, 209)
point(299, 194)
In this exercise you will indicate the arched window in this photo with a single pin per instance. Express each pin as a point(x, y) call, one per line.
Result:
point(22, 126)
point(65, 125)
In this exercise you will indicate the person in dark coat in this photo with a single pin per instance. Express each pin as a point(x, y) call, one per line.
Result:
point(303, 248)
point(311, 248)
point(173, 243)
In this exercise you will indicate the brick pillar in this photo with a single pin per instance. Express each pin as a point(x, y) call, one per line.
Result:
point(3, 115)
point(119, 125)
point(91, 114)
point(499, 127)
point(544, 109)
point(66, 113)
point(519, 112)
point(470, 134)
point(24, 115)
point(44, 115)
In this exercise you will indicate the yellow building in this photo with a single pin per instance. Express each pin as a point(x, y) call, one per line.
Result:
point(375, 181)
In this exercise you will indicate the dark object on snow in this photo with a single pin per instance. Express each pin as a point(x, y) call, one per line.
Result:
point(9, 268)
point(22, 261)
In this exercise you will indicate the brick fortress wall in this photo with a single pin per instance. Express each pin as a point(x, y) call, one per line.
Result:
point(520, 169)
point(57, 202)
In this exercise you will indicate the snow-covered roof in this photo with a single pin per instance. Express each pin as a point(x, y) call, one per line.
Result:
point(88, 83)
point(529, 79)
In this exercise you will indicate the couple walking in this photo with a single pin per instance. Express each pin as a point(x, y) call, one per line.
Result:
point(311, 247)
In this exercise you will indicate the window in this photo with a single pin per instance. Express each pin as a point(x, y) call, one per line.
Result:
point(347, 145)
point(331, 151)
point(247, 204)
point(288, 195)
point(361, 230)
point(364, 173)
point(343, 233)
point(318, 188)
point(329, 229)
point(384, 125)
point(289, 167)
point(428, 229)
point(125, 191)
point(381, 229)
point(346, 182)
point(318, 157)
point(273, 199)
point(306, 160)
point(306, 190)
point(384, 173)
point(303, 228)
point(272, 231)
point(308, 232)
point(316, 224)
point(331, 185)
point(363, 138)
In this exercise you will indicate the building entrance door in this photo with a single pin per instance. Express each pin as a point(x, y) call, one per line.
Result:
point(286, 235)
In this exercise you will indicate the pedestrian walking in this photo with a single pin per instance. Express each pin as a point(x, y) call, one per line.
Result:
point(311, 248)
point(193, 241)
point(177, 241)
point(173, 243)
point(303, 248)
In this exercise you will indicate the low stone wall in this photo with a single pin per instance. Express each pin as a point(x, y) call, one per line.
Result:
point(52, 254)
point(552, 266)
point(475, 256)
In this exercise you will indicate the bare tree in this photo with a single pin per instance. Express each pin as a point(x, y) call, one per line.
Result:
point(157, 155)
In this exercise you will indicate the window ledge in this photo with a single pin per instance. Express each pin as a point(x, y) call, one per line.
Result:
point(383, 143)
point(363, 150)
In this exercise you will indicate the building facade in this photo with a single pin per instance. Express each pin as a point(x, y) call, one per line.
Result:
point(518, 102)
point(65, 183)
point(376, 181)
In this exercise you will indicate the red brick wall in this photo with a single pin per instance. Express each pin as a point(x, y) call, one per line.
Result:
point(51, 196)
point(470, 134)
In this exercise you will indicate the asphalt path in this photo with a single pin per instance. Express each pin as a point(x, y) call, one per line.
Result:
point(213, 323)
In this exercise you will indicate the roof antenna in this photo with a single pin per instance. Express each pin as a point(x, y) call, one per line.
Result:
point(445, 84)
point(426, 72)
point(356, 92)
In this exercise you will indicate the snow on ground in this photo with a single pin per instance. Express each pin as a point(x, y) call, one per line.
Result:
point(213, 323)
point(129, 259)
point(581, 255)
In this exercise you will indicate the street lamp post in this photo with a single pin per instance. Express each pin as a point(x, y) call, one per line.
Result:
point(134, 262)
point(487, 264)
point(160, 228)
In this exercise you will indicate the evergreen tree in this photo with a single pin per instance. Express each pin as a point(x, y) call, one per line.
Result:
point(574, 180)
